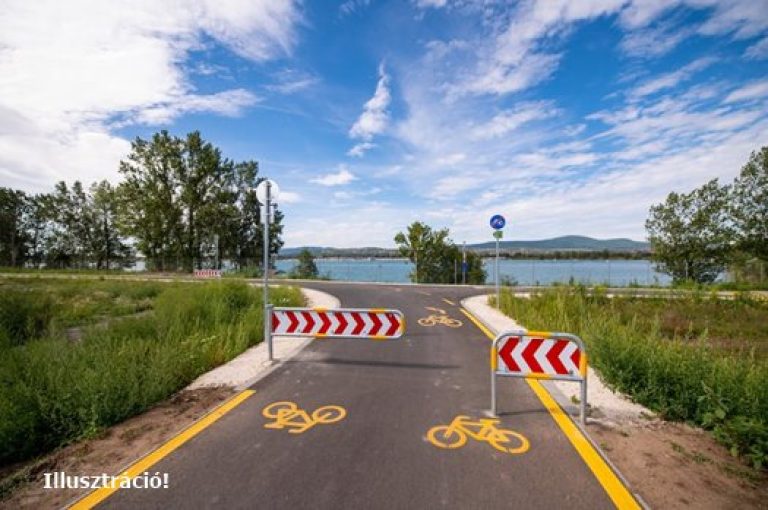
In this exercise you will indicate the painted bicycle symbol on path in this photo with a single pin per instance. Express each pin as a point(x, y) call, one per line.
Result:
point(288, 415)
point(485, 430)
point(439, 317)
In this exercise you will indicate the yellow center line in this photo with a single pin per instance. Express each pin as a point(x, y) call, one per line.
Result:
point(449, 302)
point(146, 462)
point(612, 484)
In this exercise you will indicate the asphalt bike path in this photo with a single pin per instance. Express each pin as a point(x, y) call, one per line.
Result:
point(346, 424)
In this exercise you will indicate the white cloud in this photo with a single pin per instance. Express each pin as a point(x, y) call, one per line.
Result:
point(290, 81)
point(375, 116)
point(754, 90)
point(670, 80)
point(758, 51)
point(360, 149)
point(652, 42)
point(289, 197)
point(515, 57)
point(424, 4)
point(509, 120)
point(350, 6)
point(451, 159)
point(230, 103)
point(343, 176)
point(75, 72)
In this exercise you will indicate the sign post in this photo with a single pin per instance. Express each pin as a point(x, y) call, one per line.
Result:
point(497, 223)
point(266, 191)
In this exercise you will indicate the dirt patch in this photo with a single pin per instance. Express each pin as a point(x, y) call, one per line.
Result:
point(675, 466)
point(110, 453)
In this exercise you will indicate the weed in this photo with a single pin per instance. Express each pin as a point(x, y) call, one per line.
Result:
point(53, 391)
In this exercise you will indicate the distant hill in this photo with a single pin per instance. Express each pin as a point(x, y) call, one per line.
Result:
point(564, 243)
point(325, 251)
point(567, 243)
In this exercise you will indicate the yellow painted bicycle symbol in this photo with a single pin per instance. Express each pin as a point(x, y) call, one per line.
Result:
point(484, 430)
point(439, 317)
point(288, 415)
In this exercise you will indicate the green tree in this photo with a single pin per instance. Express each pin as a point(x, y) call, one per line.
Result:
point(749, 206)
point(415, 243)
point(14, 206)
point(306, 267)
point(690, 234)
point(179, 195)
point(106, 245)
point(435, 256)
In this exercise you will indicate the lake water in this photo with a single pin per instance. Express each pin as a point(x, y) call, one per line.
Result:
point(524, 272)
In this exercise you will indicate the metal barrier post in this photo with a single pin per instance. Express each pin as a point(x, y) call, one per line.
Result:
point(583, 414)
point(493, 392)
point(268, 329)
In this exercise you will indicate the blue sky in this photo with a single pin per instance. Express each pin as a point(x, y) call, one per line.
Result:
point(567, 117)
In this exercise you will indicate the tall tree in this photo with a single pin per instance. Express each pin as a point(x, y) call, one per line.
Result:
point(435, 256)
point(414, 243)
point(14, 206)
point(749, 206)
point(690, 234)
point(149, 205)
point(180, 196)
point(106, 246)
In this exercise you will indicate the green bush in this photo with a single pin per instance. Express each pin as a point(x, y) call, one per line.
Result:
point(682, 377)
point(53, 391)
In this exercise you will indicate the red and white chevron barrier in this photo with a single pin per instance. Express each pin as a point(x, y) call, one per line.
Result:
point(207, 273)
point(339, 322)
point(534, 355)
point(539, 355)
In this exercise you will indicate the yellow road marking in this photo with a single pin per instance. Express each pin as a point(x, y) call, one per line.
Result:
point(483, 430)
point(479, 324)
point(146, 462)
point(620, 495)
point(613, 486)
point(449, 302)
point(288, 415)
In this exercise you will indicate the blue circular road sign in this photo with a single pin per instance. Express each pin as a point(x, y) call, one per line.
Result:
point(498, 221)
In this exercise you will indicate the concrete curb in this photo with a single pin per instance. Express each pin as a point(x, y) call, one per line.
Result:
point(253, 364)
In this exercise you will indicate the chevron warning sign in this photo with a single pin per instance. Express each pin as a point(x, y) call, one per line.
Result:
point(375, 323)
point(207, 273)
point(540, 354)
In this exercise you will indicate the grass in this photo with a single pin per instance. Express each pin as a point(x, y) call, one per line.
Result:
point(36, 307)
point(53, 391)
point(695, 359)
